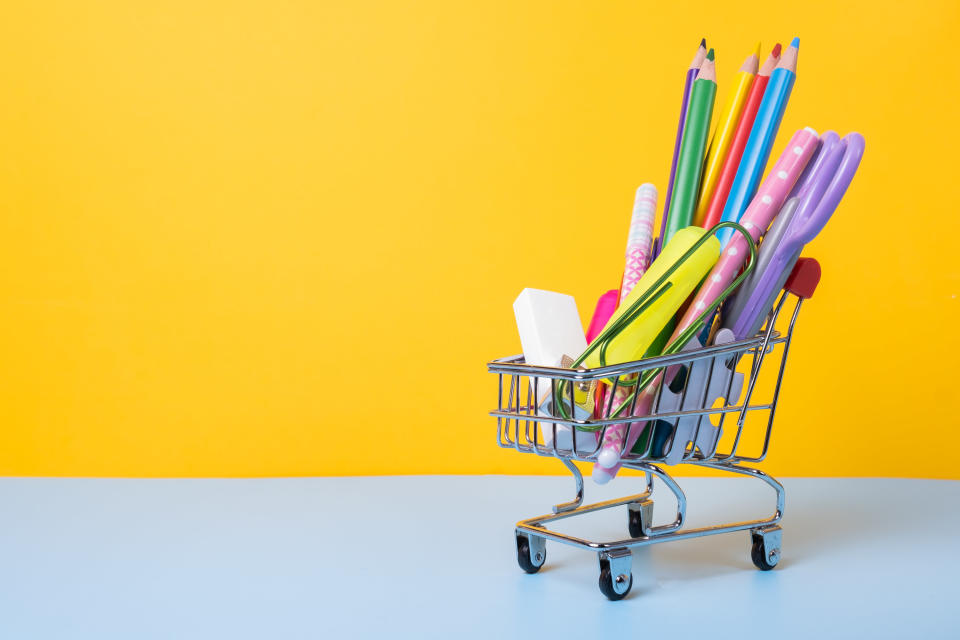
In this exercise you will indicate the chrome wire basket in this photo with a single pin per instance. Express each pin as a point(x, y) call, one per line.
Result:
point(716, 410)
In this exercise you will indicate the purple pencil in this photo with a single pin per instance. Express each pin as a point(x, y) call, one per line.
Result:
point(687, 89)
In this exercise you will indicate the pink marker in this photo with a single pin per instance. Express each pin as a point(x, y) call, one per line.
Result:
point(758, 216)
point(606, 305)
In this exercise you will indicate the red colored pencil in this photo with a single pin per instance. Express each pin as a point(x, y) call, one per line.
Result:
point(740, 137)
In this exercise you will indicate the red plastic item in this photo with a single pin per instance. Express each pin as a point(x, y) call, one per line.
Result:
point(804, 278)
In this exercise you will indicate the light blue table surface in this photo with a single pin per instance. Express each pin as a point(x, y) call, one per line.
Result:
point(434, 557)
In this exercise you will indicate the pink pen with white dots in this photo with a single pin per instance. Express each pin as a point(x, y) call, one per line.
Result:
point(758, 216)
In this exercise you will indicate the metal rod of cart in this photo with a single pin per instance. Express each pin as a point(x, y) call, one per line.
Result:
point(716, 411)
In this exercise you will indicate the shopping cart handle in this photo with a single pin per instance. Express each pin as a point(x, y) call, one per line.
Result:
point(804, 278)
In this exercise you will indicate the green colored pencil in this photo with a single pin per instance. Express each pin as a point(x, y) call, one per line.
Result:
point(686, 186)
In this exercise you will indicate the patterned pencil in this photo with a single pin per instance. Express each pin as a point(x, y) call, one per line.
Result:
point(638, 259)
point(740, 137)
point(623, 437)
point(722, 137)
point(640, 237)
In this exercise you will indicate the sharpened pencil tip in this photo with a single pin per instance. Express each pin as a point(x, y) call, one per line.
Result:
point(703, 42)
point(776, 51)
point(710, 55)
point(795, 43)
point(757, 52)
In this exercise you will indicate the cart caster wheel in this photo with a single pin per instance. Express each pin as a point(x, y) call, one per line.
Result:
point(765, 550)
point(531, 557)
point(607, 584)
point(639, 517)
point(616, 577)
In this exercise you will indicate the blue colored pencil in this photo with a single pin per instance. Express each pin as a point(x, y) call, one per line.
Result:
point(760, 142)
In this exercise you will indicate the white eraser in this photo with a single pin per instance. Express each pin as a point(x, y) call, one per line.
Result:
point(549, 327)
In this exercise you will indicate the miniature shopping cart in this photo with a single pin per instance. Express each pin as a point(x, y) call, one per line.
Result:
point(717, 413)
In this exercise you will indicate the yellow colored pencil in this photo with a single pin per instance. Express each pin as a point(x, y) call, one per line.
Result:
point(723, 133)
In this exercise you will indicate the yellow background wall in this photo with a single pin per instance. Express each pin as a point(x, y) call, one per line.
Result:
point(283, 238)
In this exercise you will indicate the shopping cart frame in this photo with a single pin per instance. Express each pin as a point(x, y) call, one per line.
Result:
point(615, 557)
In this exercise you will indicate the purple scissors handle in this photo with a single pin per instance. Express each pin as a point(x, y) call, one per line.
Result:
point(828, 141)
point(821, 194)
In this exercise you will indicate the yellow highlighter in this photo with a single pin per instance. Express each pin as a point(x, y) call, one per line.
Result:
point(632, 342)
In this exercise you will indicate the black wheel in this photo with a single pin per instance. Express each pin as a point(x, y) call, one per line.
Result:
point(606, 584)
point(635, 524)
point(760, 557)
point(523, 556)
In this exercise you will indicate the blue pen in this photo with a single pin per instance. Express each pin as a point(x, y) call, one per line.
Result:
point(760, 142)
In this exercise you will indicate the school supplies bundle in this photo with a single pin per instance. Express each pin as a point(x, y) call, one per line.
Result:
point(677, 348)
